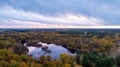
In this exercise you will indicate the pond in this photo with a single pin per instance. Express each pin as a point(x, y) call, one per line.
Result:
point(48, 49)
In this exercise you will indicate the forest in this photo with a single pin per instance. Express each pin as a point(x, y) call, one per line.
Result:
point(92, 47)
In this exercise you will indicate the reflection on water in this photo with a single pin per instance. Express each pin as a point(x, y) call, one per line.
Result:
point(47, 49)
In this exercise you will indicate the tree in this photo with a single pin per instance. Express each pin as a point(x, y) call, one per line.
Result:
point(48, 58)
point(117, 61)
point(34, 64)
point(23, 64)
point(13, 63)
point(24, 58)
point(58, 63)
point(4, 64)
point(42, 59)
point(63, 58)
point(67, 65)
point(94, 59)
point(86, 61)
point(78, 57)
point(4, 44)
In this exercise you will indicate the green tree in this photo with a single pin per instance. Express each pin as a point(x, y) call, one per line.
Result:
point(78, 57)
point(117, 61)
point(13, 63)
point(24, 58)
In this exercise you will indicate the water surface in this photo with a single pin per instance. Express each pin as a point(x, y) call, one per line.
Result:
point(53, 50)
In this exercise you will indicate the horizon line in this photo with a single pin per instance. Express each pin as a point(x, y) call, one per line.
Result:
point(81, 27)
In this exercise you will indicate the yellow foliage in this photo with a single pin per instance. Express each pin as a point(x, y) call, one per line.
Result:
point(67, 65)
point(22, 64)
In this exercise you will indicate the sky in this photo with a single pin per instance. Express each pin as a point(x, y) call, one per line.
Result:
point(59, 14)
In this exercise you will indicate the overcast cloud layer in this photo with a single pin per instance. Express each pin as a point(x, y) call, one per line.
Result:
point(59, 13)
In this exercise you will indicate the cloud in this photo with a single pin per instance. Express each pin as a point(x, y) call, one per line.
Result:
point(11, 16)
point(60, 12)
